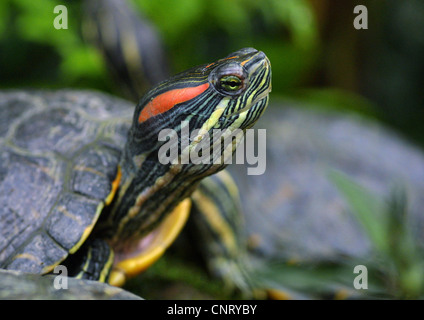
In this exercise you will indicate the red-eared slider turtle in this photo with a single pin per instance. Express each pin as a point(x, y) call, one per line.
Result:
point(83, 172)
point(292, 211)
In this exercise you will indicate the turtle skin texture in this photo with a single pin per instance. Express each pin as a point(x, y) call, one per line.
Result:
point(59, 153)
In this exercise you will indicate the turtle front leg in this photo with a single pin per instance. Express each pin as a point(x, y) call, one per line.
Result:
point(93, 261)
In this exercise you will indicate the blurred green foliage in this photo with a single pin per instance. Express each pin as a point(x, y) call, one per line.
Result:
point(194, 31)
point(197, 31)
point(33, 53)
point(311, 44)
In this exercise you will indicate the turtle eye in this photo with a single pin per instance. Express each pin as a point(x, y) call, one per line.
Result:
point(229, 79)
point(230, 83)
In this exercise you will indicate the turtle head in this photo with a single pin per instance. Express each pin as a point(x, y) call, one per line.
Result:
point(174, 119)
point(243, 81)
point(229, 94)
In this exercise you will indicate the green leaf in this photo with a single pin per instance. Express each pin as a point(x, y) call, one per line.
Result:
point(230, 15)
point(299, 17)
point(367, 208)
point(4, 18)
point(175, 19)
point(316, 280)
point(81, 62)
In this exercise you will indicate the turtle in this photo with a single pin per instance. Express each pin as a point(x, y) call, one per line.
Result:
point(293, 211)
point(86, 180)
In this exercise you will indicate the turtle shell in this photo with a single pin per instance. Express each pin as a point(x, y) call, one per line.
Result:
point(294, 210)
point(59, 153)
point(16, 285)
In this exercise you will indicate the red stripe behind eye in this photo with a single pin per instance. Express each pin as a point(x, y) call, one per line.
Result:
point(169, 99)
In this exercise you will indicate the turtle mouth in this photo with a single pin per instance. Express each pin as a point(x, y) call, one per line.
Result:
point(257, 100)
